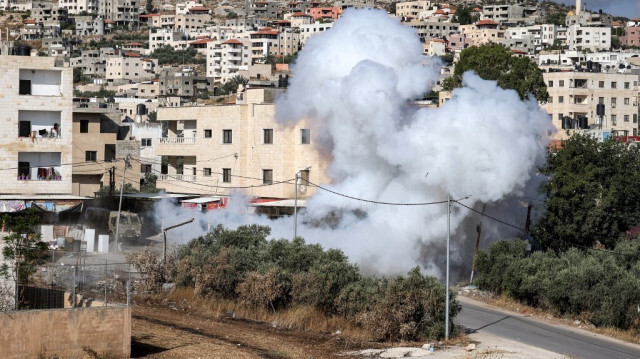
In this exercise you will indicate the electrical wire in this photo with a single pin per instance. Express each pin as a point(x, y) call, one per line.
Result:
point(380, 202)
point(525, 231)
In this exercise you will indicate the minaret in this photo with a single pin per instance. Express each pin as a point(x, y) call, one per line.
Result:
point(578, 6)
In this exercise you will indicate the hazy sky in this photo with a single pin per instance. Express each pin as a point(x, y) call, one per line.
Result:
point(628, 8)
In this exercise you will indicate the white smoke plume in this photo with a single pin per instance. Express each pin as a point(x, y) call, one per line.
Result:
point(354, 84)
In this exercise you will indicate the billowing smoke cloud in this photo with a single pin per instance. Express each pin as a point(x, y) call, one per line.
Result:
point(354, 85)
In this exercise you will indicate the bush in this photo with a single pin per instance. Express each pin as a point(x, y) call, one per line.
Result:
point(602, 287)
point(243, 265)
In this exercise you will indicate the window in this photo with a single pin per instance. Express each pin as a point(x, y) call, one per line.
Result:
point(561, 84)
point(146, 142)
point(206, 172)
point(614, 102)
point(626, 118)
point(227, 136)
point(626, 100)
point(601, 84)
point(267, 176)
point(305, 136)
point(267, 135)
point(626, 85)
point(614, 84)
point(91, 156)
point(226, 175)
point(613, 120)
point(550, 83)
point(23, 169)
point(601, 100)
point(25, 87)
point(207, 134)
point(560, 99)
point(635, 118)
point(24, 128)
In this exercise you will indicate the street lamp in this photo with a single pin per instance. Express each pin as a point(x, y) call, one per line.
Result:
point(295, 205)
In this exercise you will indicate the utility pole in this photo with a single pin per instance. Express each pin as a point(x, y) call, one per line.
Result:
point(475, 252)
point(295, 209)
point(124, 171)
point(446, 326)
point(295, 204)
point(112, 181)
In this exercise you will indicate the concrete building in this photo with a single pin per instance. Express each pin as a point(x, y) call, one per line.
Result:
point(511, 14)
point(120, 12)
point(148, 135)
point(263, 9)
point(191, 22)
point(226, 148)
point(96, 137)
point(78, 6)
point(227, 58)
point(36, 113)
point(631, 36)
point(576, 94)
point(268, 41)
point(325, 13)
point(412, 8)
point(48, 13)
point(130, 67)
point(89, 25)
point(159, 38)
point(482, 32)
point(584, 18)
point(588, 38)
point(183, 8)
point(433, 28)
point(307, 31)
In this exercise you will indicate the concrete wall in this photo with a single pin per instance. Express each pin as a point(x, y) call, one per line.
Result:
point(65, 332)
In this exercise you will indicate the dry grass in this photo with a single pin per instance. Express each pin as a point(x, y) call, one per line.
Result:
point(301, 318)
point(504, 302)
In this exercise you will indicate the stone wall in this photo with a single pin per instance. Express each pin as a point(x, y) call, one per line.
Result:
point(66, 332)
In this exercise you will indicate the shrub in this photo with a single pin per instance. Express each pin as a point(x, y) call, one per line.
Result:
point(243, 265)
point(602, 287)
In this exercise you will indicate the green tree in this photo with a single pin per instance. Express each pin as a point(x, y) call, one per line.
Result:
point(495, 62)
point(232, 15)
point(23, 251)
point(232, 85)
point(615, 42)
point(149, 6)
point(463, 15)
point(78, 75)
point(592, 193)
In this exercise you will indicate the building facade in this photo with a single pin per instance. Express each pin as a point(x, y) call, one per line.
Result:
point(36, 113)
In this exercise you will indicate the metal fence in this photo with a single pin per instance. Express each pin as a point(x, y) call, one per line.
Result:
point(72, 280)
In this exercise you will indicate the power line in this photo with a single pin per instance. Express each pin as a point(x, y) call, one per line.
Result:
point(524, 230)
point(378, 202)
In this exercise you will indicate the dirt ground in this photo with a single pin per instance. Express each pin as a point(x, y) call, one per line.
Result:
point(166, 333)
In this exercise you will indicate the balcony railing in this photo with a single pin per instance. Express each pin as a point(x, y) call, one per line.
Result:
point(178, 140)
point(166, 177)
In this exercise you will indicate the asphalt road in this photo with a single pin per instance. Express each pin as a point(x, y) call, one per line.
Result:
point(477, 317)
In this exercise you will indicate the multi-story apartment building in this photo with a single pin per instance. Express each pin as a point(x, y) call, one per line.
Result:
point(130, 67)
point(268, 41)
point(79, 6)
point(510, 14)
point(227, 58)
point(159, 38)
point(585, 18)
point(191, 22)
point(433, 28)
point(588, 38)
point(356, 4)
point(482, 32)
point(36, 113)
point(307, 31)
point(241, 147)
point(91, 62)
point(96, 138)
point(552, 33)
point(48, 13)
point(412, 8)
point(576, 95)
point(325, 13)
point(263, 9)
point(182, 82)
point(121, 12)
point(631, 36)
point(147, 134)
point(89, 25)
point(183, 8)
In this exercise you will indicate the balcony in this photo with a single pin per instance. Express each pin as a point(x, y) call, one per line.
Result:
point(167, 177)
point(178, 140)
point(39, 166)
point(40, 82)
point(39, 124)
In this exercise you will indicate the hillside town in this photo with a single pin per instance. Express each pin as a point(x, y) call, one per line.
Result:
point(114, 106)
